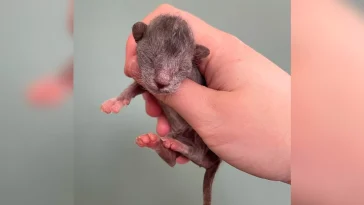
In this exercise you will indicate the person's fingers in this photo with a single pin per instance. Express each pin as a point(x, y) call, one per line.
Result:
point(152, 107)
point(162, 130)
point(182, 160)
point(130, 57)
point(197, 104)
point(162, 126)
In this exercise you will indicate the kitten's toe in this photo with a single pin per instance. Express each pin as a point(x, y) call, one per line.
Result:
point(148, 140)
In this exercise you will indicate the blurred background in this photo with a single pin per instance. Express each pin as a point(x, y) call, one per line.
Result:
point(36, 144)
point(359, 4)
point(109, 168)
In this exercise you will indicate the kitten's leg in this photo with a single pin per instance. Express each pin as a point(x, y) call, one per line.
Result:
point(154, 142)
point(196, 155)
point(115, 104)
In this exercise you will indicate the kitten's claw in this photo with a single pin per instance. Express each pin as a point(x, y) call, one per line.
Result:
point(113, 105)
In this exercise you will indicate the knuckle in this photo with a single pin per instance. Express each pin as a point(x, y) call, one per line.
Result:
point(131, 68)
point(127, 71)
point(168, 99)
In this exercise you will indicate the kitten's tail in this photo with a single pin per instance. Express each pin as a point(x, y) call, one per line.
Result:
point(208, 181)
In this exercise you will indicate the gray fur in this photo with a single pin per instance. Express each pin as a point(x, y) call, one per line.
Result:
point(167, 54)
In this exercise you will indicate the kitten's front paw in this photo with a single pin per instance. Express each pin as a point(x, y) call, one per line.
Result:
point(113, 105)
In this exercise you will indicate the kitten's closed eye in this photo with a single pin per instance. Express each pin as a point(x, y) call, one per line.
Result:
point(185, 66)
point(146, 58)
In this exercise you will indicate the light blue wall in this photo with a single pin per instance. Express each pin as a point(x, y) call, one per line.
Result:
point(36, 146)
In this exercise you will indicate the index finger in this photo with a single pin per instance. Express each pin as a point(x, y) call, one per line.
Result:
point(204, 34)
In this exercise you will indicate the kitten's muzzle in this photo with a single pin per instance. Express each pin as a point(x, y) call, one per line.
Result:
point(162, 80)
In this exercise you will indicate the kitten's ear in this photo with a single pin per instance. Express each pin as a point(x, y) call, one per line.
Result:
point(138, 30)
point(201, 52)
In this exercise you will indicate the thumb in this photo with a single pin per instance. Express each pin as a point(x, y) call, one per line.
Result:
point(195, 103)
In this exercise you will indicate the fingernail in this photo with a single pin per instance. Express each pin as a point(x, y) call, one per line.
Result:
point(133, 68)
point(131, 64)
point(129, 68)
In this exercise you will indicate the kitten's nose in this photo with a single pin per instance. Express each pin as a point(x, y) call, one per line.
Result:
point(162, 80)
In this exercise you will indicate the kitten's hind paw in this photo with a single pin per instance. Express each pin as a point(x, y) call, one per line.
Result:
point(148, 140)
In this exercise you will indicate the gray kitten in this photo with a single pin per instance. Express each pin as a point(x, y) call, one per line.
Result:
point(167, 54)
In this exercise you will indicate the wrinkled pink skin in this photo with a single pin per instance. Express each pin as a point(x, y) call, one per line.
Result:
point(52, 90)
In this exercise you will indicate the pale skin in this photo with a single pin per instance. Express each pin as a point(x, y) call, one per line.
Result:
point(244, 114)
point(328, 97)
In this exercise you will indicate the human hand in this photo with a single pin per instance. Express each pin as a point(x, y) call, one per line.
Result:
point(244, 113)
